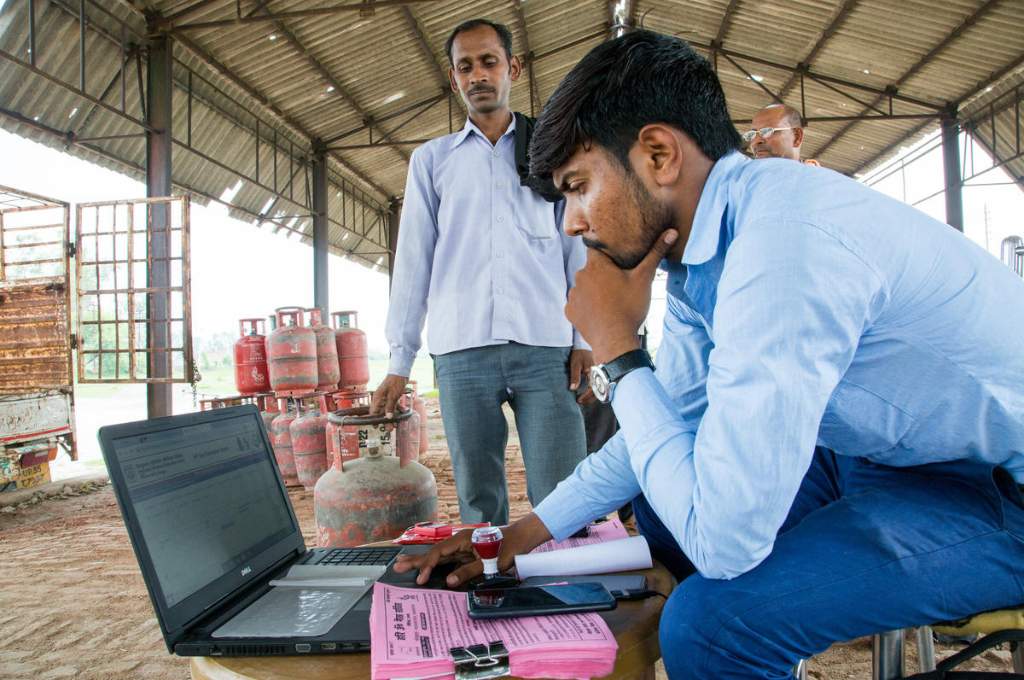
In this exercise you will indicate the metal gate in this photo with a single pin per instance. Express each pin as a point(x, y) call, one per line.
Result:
point(134, 301)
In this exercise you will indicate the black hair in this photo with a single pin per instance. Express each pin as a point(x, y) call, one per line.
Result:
point(504, 35)
point(624, 84)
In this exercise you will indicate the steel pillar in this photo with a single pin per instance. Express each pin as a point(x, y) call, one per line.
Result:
point(159, 92)
point(321, 287)
point(951, 170)
point(394, 217)
point(888, 661)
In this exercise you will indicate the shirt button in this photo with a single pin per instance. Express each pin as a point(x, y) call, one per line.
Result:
point(500, 218)
point(495, 153)
point(498, 255)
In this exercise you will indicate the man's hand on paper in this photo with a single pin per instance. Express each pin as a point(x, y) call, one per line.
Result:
point(520, 537)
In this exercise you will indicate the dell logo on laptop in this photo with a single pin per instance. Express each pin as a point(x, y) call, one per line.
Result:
point(246, 571)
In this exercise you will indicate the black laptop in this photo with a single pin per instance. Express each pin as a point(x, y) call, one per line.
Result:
point(211, 524)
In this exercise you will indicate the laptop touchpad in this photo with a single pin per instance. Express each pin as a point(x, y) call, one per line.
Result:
point(292, 612)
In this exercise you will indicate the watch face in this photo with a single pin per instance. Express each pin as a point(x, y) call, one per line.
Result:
point(599, 383)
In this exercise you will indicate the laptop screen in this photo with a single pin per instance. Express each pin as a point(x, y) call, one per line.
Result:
point(205, 497)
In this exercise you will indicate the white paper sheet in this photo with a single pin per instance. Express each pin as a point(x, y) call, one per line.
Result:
point(598, 558)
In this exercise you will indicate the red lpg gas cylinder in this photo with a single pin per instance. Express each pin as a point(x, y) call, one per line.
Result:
point(328, 373)
point(309, 443)
point(281, 438)
point(352, 359)
point(268, 410)
point(420, 407)
point(251, 358)
point(377, 495)
point(291, 354)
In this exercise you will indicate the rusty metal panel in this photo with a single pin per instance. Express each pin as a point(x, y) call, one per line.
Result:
point(31, 417)
point(113, 242)
point(35, 345)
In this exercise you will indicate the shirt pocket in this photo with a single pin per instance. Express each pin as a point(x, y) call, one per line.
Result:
point(534, 216)
point(858, 422)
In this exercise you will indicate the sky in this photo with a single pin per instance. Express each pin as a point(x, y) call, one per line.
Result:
point(239, 270)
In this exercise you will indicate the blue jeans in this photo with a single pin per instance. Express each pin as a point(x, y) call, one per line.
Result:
point(865, 549)
point(473, 385)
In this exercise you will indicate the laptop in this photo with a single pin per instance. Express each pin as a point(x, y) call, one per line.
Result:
point(211, 525)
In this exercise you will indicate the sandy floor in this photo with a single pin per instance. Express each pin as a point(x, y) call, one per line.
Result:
point(73, 604)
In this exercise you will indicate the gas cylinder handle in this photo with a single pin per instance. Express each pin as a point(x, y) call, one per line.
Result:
point(254, 326)
point(351, 318)
point(294, 313)
point(316, 316)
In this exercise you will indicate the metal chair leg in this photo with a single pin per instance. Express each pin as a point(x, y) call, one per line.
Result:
point(888, 661)
point(925, 649)
point(800, 672)
point(1018, 657)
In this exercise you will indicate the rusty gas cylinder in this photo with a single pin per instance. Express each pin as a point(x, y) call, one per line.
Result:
point(309, 443)
point(268, 411)
point(291, 354)
point(352, 358)
point(377, 495)
point(328, 373)
point(281, 438)
point(421, 408)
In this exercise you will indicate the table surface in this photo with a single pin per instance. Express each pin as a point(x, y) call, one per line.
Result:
point(634, 623)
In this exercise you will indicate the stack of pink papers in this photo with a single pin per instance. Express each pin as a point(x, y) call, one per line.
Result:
point(612, 530)
point(413, 629)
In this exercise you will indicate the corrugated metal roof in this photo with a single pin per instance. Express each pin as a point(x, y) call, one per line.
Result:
point(357, 78)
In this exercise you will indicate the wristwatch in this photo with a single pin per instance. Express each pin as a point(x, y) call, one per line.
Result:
point(604, 376)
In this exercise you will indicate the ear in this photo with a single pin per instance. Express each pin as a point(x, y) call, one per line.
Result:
point(451, 80)
point(515, 68)
point(798, 137)
point(659, 153)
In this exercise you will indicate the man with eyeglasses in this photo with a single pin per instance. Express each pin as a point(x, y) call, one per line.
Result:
point(776, 132)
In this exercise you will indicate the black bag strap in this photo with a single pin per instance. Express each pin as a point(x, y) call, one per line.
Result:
point(544, 188)
point(944, 669)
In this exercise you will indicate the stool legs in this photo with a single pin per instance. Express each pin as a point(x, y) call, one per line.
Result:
point(925, 649)
point(1018, 657)
point(888, 661)
point(800, 672)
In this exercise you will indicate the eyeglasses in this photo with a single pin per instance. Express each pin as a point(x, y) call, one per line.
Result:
point(764, 132)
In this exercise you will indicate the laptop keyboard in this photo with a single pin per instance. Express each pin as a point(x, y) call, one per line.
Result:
point(361, 556)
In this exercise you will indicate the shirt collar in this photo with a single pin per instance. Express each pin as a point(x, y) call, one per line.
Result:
point(470, 128)
point(707, 220)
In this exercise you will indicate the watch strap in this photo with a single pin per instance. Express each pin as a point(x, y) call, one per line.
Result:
point(618, 367)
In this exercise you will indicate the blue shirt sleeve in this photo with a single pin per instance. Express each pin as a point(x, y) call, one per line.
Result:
point(413, 263)
point(604, 481)
point(792, 304)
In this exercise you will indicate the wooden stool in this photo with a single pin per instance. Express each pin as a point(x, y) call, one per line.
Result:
point(634, 623)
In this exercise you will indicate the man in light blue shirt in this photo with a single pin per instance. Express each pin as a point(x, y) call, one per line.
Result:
point(483, 251)
point(833, 441)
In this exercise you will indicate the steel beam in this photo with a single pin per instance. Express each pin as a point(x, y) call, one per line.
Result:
point(321, 227)
point(159, 95)
point(951, 172)
point(339, 88)
point(439, 71)
point(726, 23)
point(296, 14)
point(528, 57)
point(913, 70)
point(826, 34)
point(224, 71)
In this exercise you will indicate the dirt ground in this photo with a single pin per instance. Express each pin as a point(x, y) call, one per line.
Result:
point(73, 603)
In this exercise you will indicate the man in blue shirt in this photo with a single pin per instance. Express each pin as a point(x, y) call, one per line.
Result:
point(832, 442)
point(484, 252)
